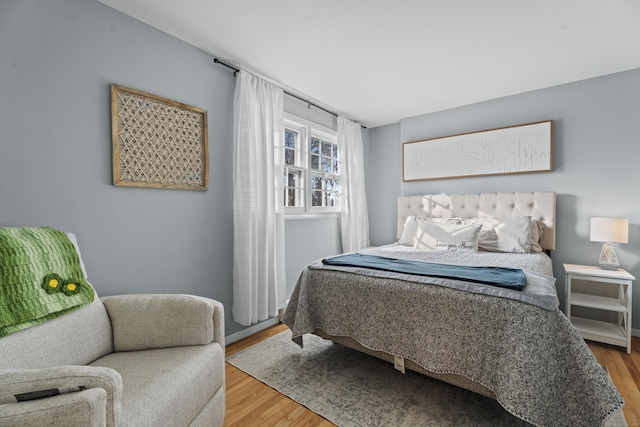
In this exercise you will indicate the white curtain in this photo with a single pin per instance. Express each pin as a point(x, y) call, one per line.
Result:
point(259, 285)
point(354, 219)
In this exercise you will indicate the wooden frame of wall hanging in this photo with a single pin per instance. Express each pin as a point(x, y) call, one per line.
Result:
point(157, 142)
point(508, 150)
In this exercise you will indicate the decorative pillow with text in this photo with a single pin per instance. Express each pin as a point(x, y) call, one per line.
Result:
point(447, 237)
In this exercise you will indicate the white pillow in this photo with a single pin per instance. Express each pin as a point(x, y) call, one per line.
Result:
point(409, 233)
point(504, 234)
point(447, 237)
point(408, 237)
point(537, 231)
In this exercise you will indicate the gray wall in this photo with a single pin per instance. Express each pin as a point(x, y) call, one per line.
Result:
point(383, 174)
point(595, 154)
point(57, 61)
point(307, 241)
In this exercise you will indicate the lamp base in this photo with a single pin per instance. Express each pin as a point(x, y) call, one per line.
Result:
point(608, 257)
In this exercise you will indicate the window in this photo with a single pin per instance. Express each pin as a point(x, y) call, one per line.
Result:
point(294, 166)
point(311, 167)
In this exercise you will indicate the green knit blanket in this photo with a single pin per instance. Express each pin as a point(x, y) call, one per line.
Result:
point(40, 277)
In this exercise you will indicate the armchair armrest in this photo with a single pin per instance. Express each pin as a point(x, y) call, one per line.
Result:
point(141, 322)
point(103, 385)
point(85, 408)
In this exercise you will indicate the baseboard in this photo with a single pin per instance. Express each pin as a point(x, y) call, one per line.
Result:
point(251, 330)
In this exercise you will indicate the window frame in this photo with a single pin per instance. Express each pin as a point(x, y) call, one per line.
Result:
point(308, 129)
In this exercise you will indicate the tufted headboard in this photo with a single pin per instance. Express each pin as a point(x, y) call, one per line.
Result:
point(540, 205)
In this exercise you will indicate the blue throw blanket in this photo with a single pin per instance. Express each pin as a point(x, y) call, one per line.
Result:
point(511, 278)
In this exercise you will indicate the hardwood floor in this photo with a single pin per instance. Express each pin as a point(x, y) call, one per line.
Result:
point(251, 403)
point(624, 369)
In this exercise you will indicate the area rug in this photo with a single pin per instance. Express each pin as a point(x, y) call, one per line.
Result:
point(352, 389)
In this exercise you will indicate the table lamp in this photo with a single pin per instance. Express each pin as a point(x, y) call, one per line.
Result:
point(609, 231)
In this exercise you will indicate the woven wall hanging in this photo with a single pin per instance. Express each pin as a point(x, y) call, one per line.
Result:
point(157, 142)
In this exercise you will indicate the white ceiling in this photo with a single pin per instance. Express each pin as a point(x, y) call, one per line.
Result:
point(378, 61)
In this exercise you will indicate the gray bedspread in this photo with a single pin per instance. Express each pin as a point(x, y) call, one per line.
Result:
point(529, 355)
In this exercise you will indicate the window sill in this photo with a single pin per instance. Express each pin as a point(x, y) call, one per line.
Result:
point(314, 215)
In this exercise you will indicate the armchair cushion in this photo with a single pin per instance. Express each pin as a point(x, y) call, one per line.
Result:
point(19, 381)
point(168, 386)
point(141, 322)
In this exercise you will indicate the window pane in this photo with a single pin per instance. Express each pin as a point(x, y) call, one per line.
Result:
point(290, 138)
point(330, 199)
point(316, 198)
point(316, 182)
point(289, 156)
point(328, 184)
point(315, 146)
point(326, 164)
point(326, 149)
point(315, 163)
point(335, 166)
point(335, 152)
point(293, 182)
point(291, 197)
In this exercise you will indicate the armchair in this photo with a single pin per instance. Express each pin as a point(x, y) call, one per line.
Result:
point(126, 360)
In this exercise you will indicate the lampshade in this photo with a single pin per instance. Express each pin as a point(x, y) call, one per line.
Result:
point(612, 230)
point(609, 231)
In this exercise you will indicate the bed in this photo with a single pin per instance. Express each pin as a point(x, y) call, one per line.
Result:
point(513, 345)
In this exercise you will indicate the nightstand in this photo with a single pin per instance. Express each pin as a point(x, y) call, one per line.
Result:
point(618, 333)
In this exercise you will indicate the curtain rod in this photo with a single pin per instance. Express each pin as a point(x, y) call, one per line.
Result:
point(236, 69)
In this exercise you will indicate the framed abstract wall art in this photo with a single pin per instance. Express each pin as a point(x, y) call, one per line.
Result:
point(508, 150)
point(157, 142)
